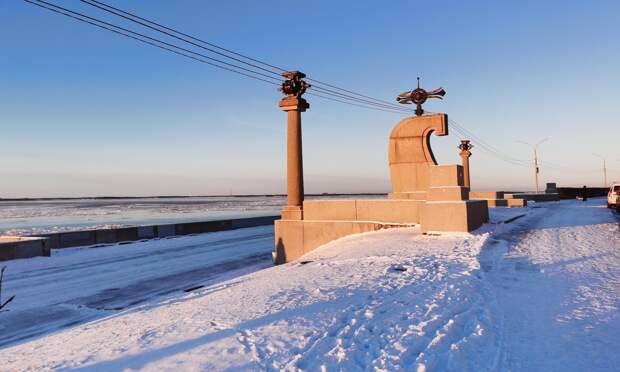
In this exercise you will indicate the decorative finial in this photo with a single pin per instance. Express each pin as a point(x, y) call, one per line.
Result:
point(294, 86)
point(466, 145)
point(419, 96)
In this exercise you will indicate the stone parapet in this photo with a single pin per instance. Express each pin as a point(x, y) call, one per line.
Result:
point(14, 247)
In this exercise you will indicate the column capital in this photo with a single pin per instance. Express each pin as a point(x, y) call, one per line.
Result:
point(292, 103)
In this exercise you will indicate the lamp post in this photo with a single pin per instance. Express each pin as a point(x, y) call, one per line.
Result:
point(536, 168)
point(604, 169)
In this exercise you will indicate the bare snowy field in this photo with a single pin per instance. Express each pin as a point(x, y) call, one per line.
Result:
point(541, 293)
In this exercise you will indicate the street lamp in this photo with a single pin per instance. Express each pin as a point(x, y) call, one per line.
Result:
point(536, 169)
point(604, 168)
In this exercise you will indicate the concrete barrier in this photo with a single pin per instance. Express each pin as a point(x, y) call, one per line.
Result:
point(534, 197)
point(127, 234)
point(573, 192)
point(13, 247)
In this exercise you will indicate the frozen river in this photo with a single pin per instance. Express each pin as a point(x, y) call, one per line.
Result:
point(43, 216)
point(35, 217)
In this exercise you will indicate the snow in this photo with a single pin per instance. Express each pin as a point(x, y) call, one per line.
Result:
point(540, 293)
point(80, 284)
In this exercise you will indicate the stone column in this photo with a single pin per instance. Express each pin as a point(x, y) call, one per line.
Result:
point(465, 153)
point(294, 106)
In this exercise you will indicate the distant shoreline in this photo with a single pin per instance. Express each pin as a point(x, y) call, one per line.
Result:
point(181, 196)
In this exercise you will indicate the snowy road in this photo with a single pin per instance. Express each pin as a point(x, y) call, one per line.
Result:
point(77, 285)
point(556, 280)
point(541, 293)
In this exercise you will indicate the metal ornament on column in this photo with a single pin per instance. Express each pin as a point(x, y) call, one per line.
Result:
point(293, 88)
point(419, 96)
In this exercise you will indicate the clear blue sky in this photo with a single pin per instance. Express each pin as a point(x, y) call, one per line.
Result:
point(87, 112)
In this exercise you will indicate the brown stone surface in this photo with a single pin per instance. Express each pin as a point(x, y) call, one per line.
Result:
point(446, 175)
point(289, 240)
point(418, 195)
point(397, 211)
point(448, 193)
point(516, 203)
point(486, 194)
point(494, 203)
point(294, 106)
point(375, 210)
point(292, 213)
point(330, 210)
point(409, 152)
point(459, 216)
point(295, 238)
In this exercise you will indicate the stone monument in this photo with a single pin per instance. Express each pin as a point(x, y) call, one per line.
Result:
point(424, 193)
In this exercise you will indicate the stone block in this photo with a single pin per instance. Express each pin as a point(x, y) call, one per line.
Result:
point(105, 236)
point(318, 233)
point(289, 240)
point(516, 203)
point(446, 175)
point(330, 210)
point(77, 239)
point(146, 232)
point(389, 210)
point(416, 195)
point(165, 231)
point(292, 213)
point(293, 239)
point(127, 234)
point(448, 193)
point(459, 216)
point(486, 194)
point(494, 203)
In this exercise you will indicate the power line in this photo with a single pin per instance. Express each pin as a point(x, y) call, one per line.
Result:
point(337, 96)
point(351, 98)
point(174, 33)
point(76, 16)
point(331, 98)
point(188, 36)
point(138, 20)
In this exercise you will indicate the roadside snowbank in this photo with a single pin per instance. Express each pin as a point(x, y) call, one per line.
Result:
point(510, 296)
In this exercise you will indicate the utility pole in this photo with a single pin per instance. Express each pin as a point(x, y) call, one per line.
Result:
point(536, 167)
point(604, 169)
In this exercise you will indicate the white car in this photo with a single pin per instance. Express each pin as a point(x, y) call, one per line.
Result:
point(613, 196)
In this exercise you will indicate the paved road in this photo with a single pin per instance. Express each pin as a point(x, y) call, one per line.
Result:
point(79, 285)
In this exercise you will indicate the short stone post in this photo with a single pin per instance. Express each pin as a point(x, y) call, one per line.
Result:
point(293, 104)
point(465, 153)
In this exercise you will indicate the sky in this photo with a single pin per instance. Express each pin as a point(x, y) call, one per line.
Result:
point(84, 112)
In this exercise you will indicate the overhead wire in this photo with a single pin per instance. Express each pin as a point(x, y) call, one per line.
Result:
point(353, 98)
point(378, 104)
point(165, 30)
point(153, 41)
point(169, 31)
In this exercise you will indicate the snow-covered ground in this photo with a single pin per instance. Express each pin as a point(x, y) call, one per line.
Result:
point(81, 284)
point(541, 293)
